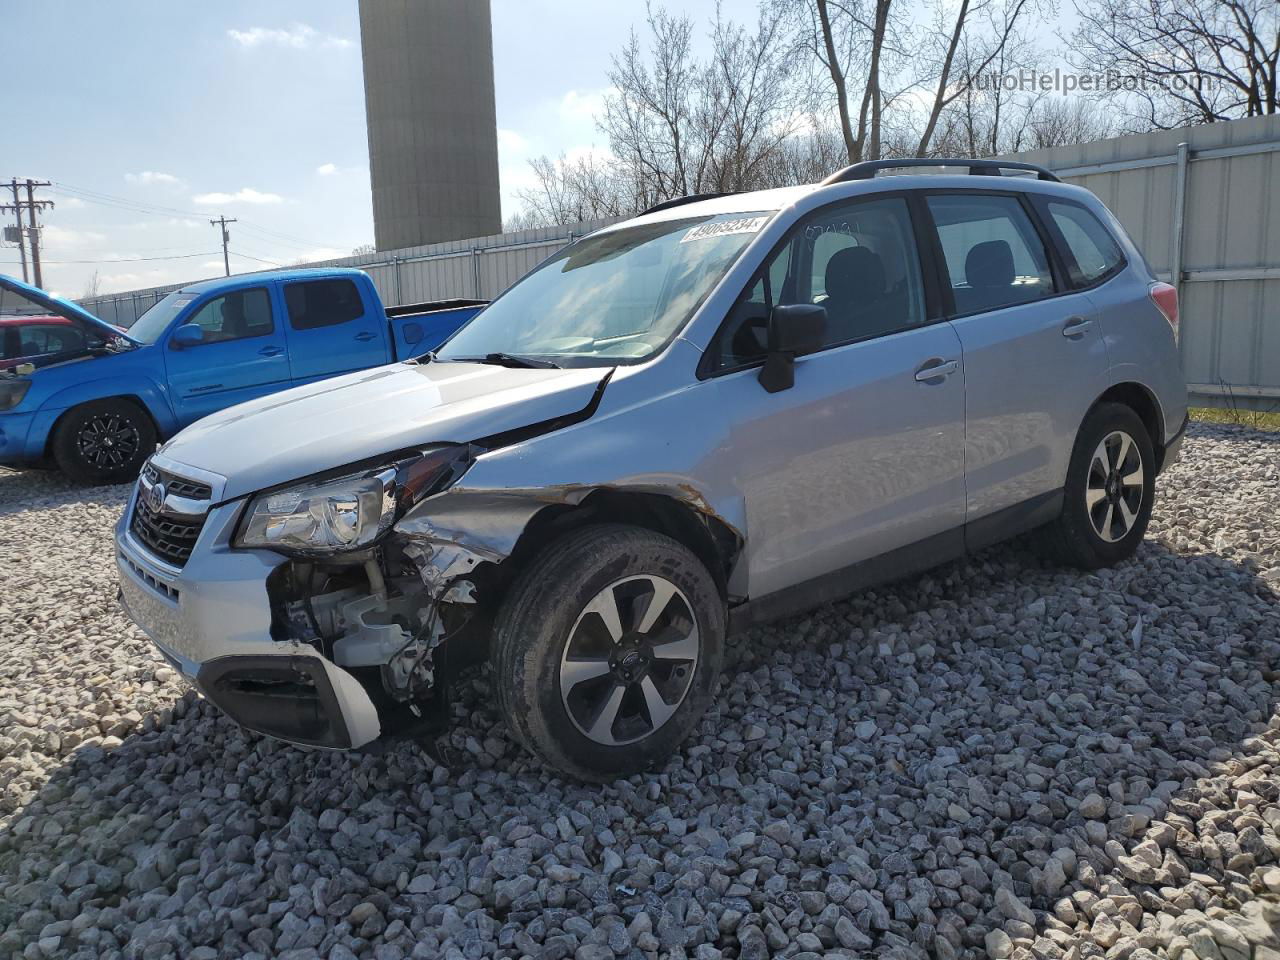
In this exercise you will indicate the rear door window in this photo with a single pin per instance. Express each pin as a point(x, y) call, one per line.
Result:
point(994, 255)
point(322, 303)
point(1091, 245)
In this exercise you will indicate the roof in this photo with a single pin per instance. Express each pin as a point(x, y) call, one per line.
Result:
point(782, 197)
point(254, 279)
point(15, 319)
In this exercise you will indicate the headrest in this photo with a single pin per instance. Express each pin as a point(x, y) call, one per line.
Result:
point(855, 272)
point(989, 264)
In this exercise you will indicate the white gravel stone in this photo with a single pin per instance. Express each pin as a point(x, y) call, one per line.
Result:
point(998, 758)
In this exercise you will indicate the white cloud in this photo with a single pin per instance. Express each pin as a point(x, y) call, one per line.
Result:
point(148, 178)
point(299, 36)
point(579, 106)
point(53, 237)
point(70, 203)
point(327, 169)
point(511, 142)
point(243, 195)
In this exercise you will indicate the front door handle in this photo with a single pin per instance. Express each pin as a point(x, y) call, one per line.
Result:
point(1076, 327)
point(365, 337)
point(936, 369)
point(270, 351)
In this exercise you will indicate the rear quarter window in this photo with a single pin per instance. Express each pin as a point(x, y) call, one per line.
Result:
point(1095, 252)
point(322, 303)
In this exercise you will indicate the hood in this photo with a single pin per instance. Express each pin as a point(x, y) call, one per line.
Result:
point(63, 307)
point(299, 432)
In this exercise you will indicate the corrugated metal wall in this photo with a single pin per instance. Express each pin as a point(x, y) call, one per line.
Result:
point(1220, 192)
point(480, 268)
point(1228, 178)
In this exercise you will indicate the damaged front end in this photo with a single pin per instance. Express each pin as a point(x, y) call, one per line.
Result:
point(381, 607)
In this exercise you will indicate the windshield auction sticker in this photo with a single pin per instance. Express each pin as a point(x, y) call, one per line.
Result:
point(721, 228)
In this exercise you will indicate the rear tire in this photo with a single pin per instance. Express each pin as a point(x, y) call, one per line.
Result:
point(589, 678)
point(104, 441)
point(1109, 492)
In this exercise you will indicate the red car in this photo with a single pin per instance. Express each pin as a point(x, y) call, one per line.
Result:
point(28, 339)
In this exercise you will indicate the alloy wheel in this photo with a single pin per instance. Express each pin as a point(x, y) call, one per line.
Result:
point(1114, 489)
point(107, 441)
point(630, 660)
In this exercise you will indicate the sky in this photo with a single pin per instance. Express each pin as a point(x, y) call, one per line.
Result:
point(150, 117)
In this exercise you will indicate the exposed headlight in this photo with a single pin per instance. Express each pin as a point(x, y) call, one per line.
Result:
point(332, 516)
point(12, 392)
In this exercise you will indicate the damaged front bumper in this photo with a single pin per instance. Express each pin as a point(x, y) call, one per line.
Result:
point(212, 620)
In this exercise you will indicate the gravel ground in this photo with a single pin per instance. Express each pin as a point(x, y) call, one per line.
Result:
point(998, 758)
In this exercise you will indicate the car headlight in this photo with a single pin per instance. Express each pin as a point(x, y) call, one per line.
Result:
point(325, 517)
point(12, 392)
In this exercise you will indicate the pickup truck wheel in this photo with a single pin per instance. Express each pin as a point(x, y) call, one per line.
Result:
point(607, 650)
point(1109, 492)
point(105, 441)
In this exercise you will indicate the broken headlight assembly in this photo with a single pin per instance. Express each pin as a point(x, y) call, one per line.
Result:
point(331, 515)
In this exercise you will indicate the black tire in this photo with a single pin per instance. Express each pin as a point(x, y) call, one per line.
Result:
point(104, 441)
point(1074, 539)
point(546, 609)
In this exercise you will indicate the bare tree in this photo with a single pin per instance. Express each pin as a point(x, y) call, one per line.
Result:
point(1183, 61)
point(980, 32)
point(92, 287)
point(853, 42)
point(678, 125)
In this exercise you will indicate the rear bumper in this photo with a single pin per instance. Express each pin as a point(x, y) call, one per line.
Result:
point(211, 620)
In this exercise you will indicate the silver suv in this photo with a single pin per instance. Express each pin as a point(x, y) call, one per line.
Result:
point(725, 410)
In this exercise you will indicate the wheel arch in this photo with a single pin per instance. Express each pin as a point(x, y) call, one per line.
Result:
point(1142, 401)
point(132, 398)
point(707, 536)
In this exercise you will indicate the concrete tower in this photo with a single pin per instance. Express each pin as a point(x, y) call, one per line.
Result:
point(433, 139)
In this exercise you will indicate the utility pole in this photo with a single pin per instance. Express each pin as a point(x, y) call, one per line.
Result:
point(226, 238)
point(22, 243)
point(32, 206)
point(32, 227)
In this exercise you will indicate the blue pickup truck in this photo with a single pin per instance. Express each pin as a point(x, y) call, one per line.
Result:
point(94, 399)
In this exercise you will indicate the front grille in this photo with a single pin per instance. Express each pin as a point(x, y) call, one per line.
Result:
point(170, 537)
point(178, 486)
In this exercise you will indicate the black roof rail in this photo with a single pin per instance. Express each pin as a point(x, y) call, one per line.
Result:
point(681, 201)
point(867, 169)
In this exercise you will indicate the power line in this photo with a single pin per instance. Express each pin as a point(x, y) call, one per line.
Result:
point(176, 256)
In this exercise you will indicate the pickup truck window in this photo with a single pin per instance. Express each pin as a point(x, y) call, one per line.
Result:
point(322, 303)
point(613, 297)
point(148, 327)
point(236, 315)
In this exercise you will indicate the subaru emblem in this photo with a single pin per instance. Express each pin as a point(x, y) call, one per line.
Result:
point(155, 499)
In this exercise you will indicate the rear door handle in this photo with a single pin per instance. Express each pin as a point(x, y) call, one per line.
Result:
point(270, 351)
point(936, 369)
point(365, 337)
point(1076, 327)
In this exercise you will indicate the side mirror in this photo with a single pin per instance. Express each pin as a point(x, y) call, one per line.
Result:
point(187, 335)
point(794, 330)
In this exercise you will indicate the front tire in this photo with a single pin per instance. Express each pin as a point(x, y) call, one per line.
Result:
point(1109, 493)
point(607, 650)
point(105, 441)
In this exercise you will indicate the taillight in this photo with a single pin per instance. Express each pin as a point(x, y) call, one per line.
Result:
point(1165, 297)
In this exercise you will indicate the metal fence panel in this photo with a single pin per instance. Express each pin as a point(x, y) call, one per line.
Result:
point(1228, 263)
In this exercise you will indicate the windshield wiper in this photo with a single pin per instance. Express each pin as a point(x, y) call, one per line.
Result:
point(509, 360)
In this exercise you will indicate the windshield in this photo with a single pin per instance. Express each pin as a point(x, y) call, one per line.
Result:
point(613, 297)
point(148, 327)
